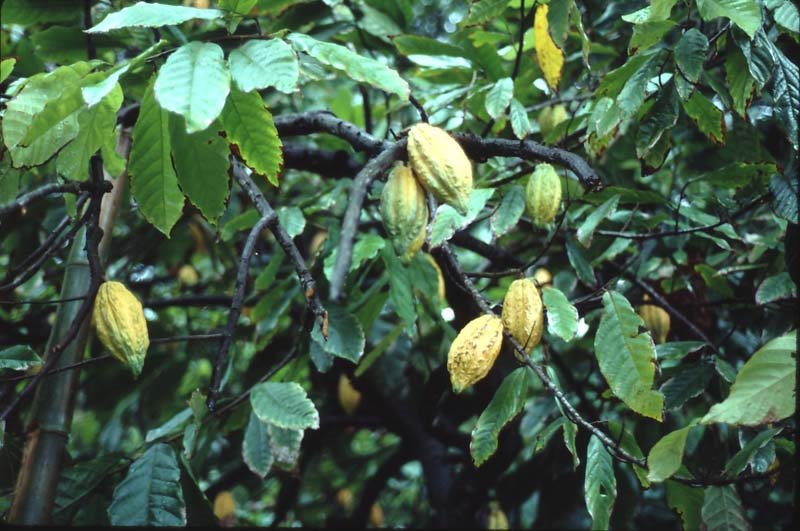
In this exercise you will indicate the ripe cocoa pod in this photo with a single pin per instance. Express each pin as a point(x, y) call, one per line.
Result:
point(344, 498)
point(404, 212)
point(497, 518)
point(376, 515)
point(118, 317)
point(550, 117)
point(440, 165)
point(523, 313)
point(656, 320)
point(439, 275)
point(224, 505)
point(474, 351)
point(187, 276)
point(543, 277)
point(349, 397)
point(543, 195)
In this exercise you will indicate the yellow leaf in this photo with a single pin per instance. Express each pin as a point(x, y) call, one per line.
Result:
point(549, 55)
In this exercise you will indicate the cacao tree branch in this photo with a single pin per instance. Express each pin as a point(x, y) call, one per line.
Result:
point(72, 187)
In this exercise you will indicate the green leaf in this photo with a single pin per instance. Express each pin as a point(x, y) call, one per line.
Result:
point(628, 443)
point(172, 426)
point(632, 94)
point(508, 401)
point(499, 96)
point(201, 163)
point(740, 83)
point(345, 336)
point(666, 455)
point(150, 494)
point(690, 54)
point(786, 94)
point(706, 116)
point(739, 461)
point(249, 125)
point(775, 288)
point(510, 210)
point(285, 405)
point(647, 34)
point(256, 451)
point(96, 125)
point(419, 45)
point(764, 388)
point(76, 482)
point(579, 263)
point(587, 228)
point(447, 220)
point(520, 124)
point(787, 16)
point(562, 317)
point(689, 381)
point(154, 183)
point(285, 446)
point(354, 66)
point(722, 510)
point(657, 10)
point(785, 191)
point(687, 502)
point(147, 15)
point(19, 358)
point(6, 67)
point(660, 119)
point(261, 64)
point(599, 484)
point(292, 219)
point(627, 357)
point(194, 82)
point(30, 12)
point(481, 11)
point(744, 13)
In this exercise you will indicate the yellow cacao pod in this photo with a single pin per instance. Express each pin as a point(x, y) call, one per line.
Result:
point(376, 515)
point(543, 195)
point(439, 275)
point(224, 505)
point(344, 498)
point(497, 518)
point(187, 275)
point(550, 117)
point(440, 165)
point(656, 319)
point(404, 212)
point(121, 327)
point(349, 397)
point(523, 313)
point(542, 277)
point(474, 351)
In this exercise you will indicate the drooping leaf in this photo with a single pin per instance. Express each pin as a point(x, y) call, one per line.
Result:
point(256, 451)
point(548, 54)
point(764, 388)
point(687, 502)
point(627, 357)
point(666, 455)
point(510, 210)
point(722, 510)
point(709, 120)
point(499, 96)
point(739, 461)
point(150, 494)
point(587, 228)
point(520, 124)
point(562, 317)
point(599, 484)
point(194, 82)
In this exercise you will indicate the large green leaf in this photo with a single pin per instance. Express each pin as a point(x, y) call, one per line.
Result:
point(262, 64)
point(499, 96)
point(764, 390)
point(76, 482)
point(744, 13)
point(739, 461)
point(722, 510)
point(201, 163)
point(19, 358)
point(666, 455)
point(599, 484)
point(775, 288)
point(345, 336)
point(95, 124)
point(510, 210)
point(194, 82)
point(481, 11)
point(506, 404)
point(627, 357)
point(249, 125)
point(740, 83)
point(709, 120)
point(687, 502)
point(690, 53)
point(354, 66)
point(152, 15)
point(285, 446)
point(447, 220)
point(285, 405)
point(520, 125)
point(256, 451)
point(401, 290)
point(587, 228)
point(150, 494)
point(786, 94)
point(154, 183)
point(562, 317)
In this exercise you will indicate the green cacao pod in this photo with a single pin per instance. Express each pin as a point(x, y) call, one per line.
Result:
point(543, 195)
point(404, 212)
point(550, 117)
point(474, 351)
point(440, 165)
point(656, 320)
point(523, 313)
point(119, 320)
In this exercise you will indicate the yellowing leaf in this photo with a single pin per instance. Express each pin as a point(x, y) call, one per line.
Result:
point(549, 55)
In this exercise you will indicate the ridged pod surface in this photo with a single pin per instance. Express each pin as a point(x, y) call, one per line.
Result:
point(440, 165)
point(474, 351)
point(349, 397)
point(550, 117)
point(543, 195)
point(523, 313)
point(404, 212)
point(657, 320)
point(119, 320)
